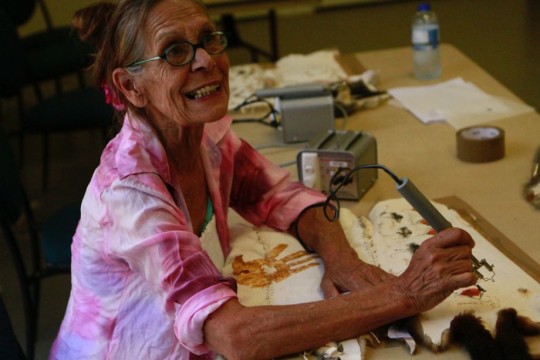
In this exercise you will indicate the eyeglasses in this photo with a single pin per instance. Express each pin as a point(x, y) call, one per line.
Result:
point(182, 53)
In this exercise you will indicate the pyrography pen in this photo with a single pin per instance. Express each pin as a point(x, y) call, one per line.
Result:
point(419, 202)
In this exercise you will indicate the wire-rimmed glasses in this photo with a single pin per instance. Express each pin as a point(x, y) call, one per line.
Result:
point(183, 53)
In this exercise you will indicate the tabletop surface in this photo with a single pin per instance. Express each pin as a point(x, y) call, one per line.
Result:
point(427, 155)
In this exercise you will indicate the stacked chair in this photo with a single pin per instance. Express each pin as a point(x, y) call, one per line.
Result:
point(37, 251)
point(45, 56)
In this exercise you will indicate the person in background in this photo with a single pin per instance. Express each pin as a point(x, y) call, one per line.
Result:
point(144, 285)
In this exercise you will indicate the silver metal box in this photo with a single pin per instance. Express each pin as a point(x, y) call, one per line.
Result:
point(335, 150)
point(305, 110)
point(304, 118)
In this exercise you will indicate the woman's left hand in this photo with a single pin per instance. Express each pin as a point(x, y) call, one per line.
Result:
point(344, 271)
point(351, 274)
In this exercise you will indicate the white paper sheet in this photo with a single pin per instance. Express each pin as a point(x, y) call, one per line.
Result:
point(457, 102)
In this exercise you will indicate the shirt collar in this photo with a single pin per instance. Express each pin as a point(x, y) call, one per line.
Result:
point(140, 150)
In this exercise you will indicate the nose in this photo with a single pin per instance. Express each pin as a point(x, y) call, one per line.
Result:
point(202, 60)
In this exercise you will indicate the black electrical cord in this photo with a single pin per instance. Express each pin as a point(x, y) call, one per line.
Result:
point(408, 190)
point(253, 99)
point(246, 101)
point(341, 178)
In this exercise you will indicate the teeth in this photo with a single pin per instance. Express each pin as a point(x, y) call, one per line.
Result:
point(205, 91)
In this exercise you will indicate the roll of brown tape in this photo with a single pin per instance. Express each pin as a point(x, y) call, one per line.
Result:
point(480, 143)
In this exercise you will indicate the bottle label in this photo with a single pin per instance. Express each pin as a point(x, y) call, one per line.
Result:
point(425, 37)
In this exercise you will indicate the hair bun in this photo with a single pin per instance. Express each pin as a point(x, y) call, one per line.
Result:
point(91, 22)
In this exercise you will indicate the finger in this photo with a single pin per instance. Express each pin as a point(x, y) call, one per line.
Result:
point(458, 267)
point(451, 237)
point(429, 255)
point(462, 280)
point(458, 253)
point(328, 288)
point(455, 274)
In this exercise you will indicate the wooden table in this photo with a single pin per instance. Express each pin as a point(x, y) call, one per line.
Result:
point(427, 155)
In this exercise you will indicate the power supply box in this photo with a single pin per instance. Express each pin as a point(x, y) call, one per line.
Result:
point(305, 110)
point(334, 151)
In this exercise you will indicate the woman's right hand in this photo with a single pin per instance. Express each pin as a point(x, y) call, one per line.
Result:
point(439, 266)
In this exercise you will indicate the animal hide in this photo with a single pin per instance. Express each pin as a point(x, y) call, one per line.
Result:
point(509, 343)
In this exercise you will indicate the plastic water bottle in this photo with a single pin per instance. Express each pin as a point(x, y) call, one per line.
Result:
point(425, 42)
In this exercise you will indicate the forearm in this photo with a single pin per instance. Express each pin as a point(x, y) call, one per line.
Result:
point(441, 265)
point(344, 271)
point(326, 237)
point(265, 332)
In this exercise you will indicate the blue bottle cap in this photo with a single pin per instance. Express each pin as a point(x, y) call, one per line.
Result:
point(424, 7)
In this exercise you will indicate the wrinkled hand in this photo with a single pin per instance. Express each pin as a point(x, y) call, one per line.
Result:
point(351, 274)
point(439, 266)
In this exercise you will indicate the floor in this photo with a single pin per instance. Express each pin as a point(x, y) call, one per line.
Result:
point(500, 35)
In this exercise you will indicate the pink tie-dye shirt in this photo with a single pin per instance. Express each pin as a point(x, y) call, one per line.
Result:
point(142, 286)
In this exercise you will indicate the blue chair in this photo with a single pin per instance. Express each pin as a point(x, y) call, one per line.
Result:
point(49, 251)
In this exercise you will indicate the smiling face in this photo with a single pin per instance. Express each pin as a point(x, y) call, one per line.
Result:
point(192, 94)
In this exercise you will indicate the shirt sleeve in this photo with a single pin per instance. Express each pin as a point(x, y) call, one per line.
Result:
point(264, 193)
point(151, 234)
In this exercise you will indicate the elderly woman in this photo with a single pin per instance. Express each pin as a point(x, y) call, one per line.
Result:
point(144, 285)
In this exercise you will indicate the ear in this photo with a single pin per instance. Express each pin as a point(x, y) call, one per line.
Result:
point(126, 83)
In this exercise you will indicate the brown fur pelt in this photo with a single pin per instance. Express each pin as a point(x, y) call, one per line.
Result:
point(509, 334)
point(509, 343)
point(468, 331)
